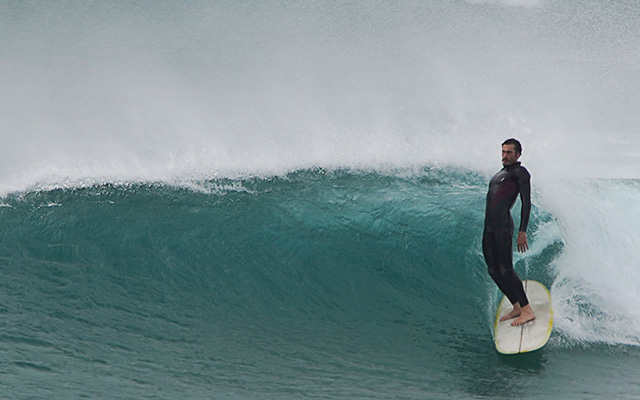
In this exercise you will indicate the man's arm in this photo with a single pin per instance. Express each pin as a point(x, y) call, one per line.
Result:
point(524, 183)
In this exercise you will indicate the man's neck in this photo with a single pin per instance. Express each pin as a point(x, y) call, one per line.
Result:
point(511, 166)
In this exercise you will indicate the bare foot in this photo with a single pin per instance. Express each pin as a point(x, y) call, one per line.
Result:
point(513, 314)
point(526, 315)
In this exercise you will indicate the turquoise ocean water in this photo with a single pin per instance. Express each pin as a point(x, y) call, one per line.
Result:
point(284, 199)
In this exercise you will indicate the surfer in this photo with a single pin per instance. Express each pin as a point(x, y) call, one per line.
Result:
point(497, 238)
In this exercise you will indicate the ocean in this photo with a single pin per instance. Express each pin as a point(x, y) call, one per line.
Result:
point(285, 199)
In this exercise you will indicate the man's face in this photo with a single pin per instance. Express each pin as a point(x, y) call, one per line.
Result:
point(509, 155)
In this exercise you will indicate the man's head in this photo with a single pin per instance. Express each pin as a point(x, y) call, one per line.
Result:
point(511, 151)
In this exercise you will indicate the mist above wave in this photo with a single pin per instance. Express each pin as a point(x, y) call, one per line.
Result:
point(158, 91)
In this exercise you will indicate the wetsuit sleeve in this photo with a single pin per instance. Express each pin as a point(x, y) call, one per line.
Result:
point(524, 185)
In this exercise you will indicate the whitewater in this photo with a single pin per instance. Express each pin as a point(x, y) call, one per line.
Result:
point(285, 199)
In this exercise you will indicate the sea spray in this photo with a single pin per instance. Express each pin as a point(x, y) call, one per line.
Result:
point(162, 91)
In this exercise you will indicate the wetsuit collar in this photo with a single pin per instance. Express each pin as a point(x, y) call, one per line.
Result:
point(512, 166)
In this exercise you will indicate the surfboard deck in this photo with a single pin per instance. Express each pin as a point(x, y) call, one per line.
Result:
point(532, 335)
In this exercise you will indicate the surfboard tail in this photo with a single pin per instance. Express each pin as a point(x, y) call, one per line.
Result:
point(532, 335)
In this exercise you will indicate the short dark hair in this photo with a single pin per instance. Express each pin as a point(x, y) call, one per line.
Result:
point(516, 144)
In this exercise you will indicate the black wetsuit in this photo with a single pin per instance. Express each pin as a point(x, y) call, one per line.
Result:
point(497, 240)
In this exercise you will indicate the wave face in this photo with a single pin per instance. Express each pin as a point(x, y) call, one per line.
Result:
point(165, 91)
point(249, 285)
point(284, 199)
point(319, 283)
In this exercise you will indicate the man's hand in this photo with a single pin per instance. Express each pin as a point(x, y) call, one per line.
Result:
point(522, 242)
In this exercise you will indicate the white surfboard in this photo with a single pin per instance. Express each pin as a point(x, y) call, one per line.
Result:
point(532, 335)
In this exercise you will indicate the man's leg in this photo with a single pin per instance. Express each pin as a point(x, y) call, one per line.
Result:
point(492, 258)
point(521, 308)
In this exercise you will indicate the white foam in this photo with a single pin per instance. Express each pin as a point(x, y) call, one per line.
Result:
point(598, 279)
